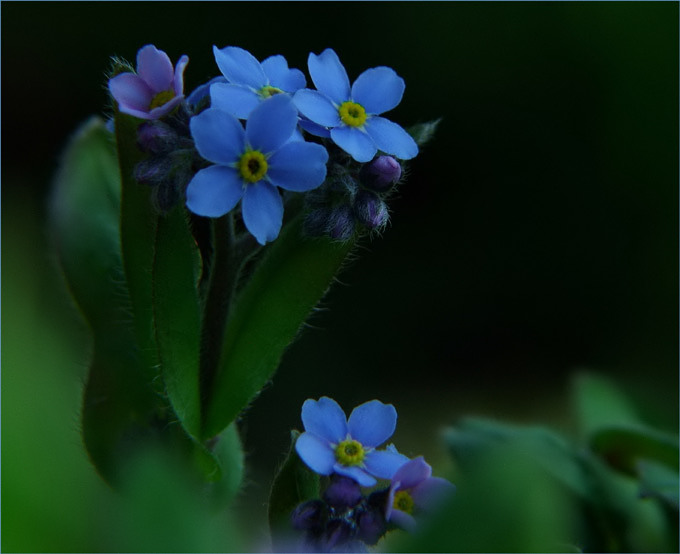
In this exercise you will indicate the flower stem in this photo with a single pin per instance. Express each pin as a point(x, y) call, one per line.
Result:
point(230, 253)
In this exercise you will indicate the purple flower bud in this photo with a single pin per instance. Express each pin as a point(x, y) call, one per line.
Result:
point(153, 170)
point(372, 525)
point(338, 533)
point(370, 209)
point(341, 223)
point(155, 137)
point(342, 493)
point(308, 516)
point(380, 174)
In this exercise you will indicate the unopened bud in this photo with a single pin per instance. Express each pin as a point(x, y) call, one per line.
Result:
point(380, 174)
point(342, 493)
point(308, 516)
point(370, 210)
point(341, 223)
point(155, 137)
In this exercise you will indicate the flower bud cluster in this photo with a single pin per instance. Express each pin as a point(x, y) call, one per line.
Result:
point(353, 198)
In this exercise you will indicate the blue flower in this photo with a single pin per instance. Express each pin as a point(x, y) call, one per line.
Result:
point(249, 81)
point(413, 489)
point(332, 443)
point(251, 164)
point(352, 114)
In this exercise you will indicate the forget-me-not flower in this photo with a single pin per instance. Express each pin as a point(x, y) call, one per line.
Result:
point(352, 115)
point(155, 89)
point(249, 82)
point(251, 164)
point(332, 443)
point(414, 489)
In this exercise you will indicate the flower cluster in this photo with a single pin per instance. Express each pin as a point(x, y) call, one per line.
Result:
point(245, 137)
point(346, 450)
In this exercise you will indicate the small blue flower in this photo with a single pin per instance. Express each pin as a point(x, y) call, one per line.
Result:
point(251, 164)
point(352, 114)
point(249, 81)
point(413, 489)
point(332, 443)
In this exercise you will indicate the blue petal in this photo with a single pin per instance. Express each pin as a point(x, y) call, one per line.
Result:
point(280, 76)
point(201, 91)
point(314, 128)
point(238, 100)
point(413, 472)
point(378, 90)
point(219, 136)
point(240, 66)
point(317, 107)
point(155, 67)
point(272, 123)
point(391, 138)
point(403, 520)
point(372, 423)
point(329, 75)
point(262, 210)
point(325, 418)
point(383, 463)
point(214, 191)
point(431, 492)
point(356, 473)
point(316, 453)
point(298, 166)
point(355, 142)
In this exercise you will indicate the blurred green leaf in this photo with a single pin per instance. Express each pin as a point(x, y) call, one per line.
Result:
point(623, 446)
point(117, 403)
point(422, 133)
point(228, 453)
point(137, 231)
point(599, 402)
point(269, 311)
point(294, 483)
point(473, 437)
point(177, 316)
point(659, 481)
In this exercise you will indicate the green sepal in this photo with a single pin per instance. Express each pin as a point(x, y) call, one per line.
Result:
point(423, 133)
point(118, 406)
point(176, 268)
point(138, 235)
point(291, 278)
point(294, 483)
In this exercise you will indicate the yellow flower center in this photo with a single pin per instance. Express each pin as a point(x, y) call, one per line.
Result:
point(350, 453)
point(268, 91)
point(252, 166)
point(352, 114)
point(403, 501)
point(161, 98)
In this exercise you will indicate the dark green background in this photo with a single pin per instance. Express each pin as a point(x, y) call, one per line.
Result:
point(536, 235)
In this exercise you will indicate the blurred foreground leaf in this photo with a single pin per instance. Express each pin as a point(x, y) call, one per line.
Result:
point(117, 403)
point(268, 313)
point(294, 483)
point(659, 481)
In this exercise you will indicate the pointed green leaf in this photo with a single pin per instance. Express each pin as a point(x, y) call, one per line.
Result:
point(137, 231)
point(294, 483)
point(268, 313)
point(423, 133)
point(622, 446)
point(177, 316)
point(117, 402)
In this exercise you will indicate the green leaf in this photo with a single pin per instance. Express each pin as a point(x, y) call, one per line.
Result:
point(623, 446)
point(599, 402)
point(659, 481)
point(117, 403)
point(177, 316)
point(473, 437)
point(294, 483)
point(138, 233)
point(289, 281)
point(423, 133)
